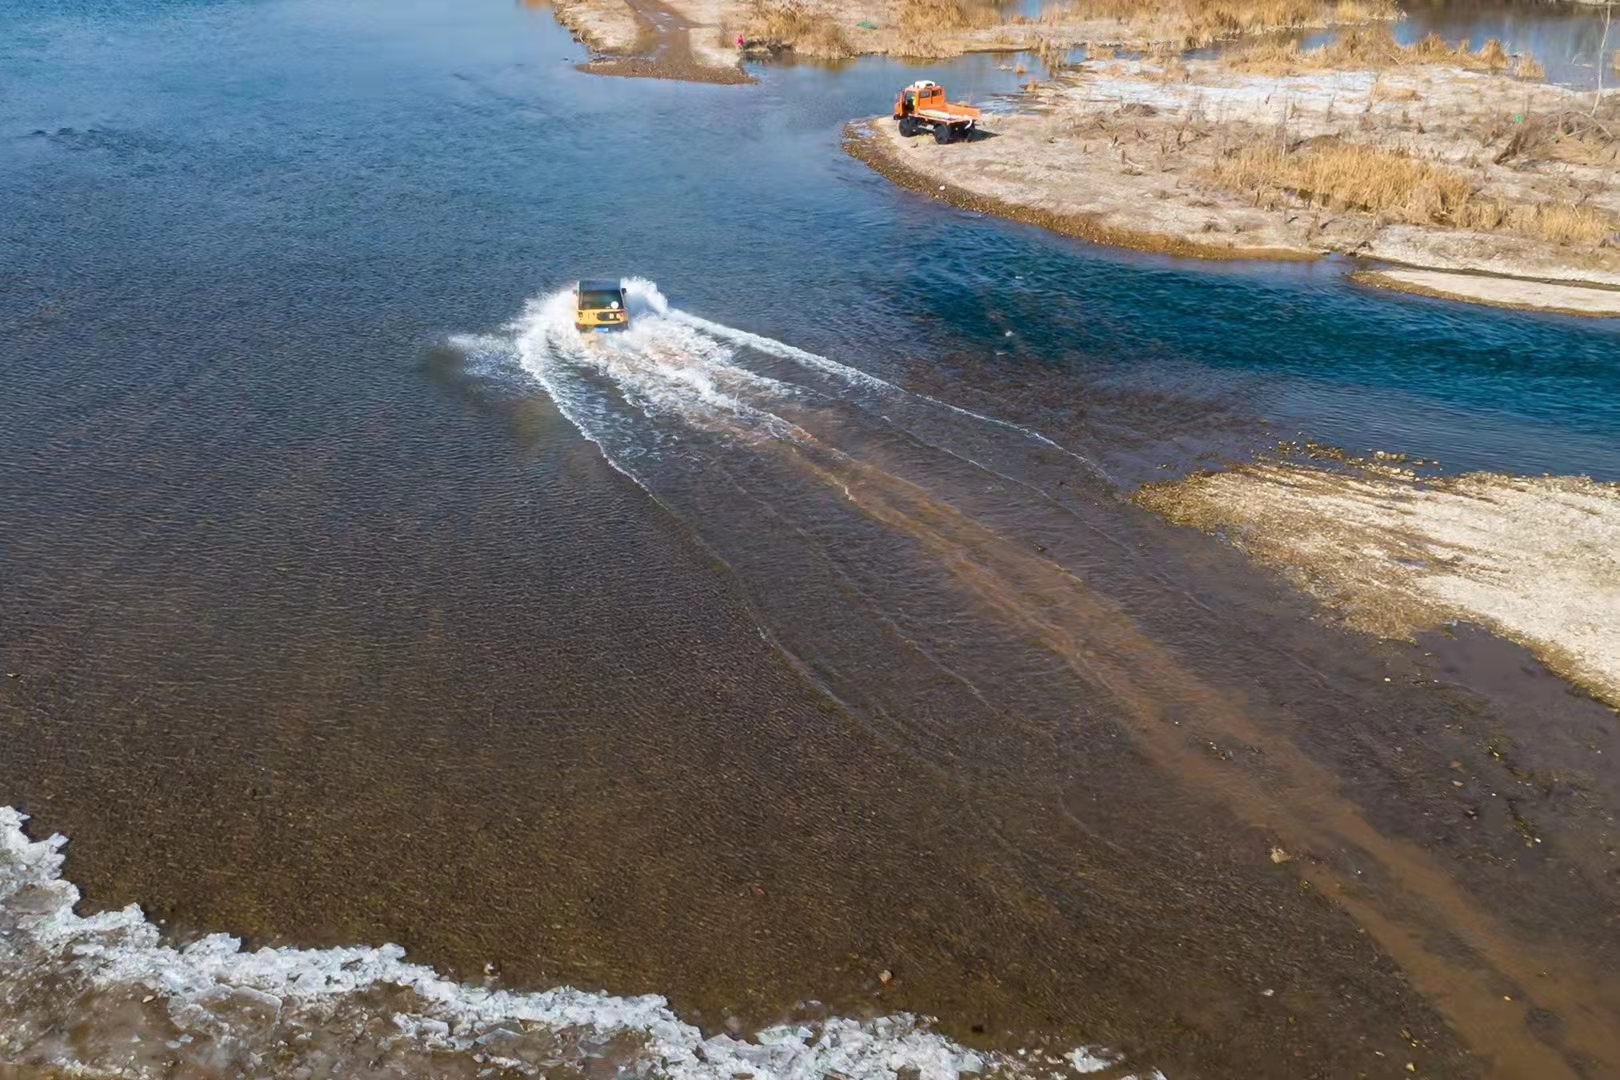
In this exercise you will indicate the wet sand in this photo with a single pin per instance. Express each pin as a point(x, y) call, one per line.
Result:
point(645, 39)
point(1532, 558)
point(1493, 291)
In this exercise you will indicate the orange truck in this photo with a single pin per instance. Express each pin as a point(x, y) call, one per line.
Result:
point(922, 107)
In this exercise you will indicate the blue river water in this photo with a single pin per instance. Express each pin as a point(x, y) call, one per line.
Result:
point(389, 174)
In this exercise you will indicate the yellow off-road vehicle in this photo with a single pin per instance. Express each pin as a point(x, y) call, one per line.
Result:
point(599, 306)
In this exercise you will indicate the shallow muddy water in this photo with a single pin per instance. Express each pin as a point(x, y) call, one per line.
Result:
point(794, 656)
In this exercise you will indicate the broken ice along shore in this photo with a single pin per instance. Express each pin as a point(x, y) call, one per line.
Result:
point(106, 995)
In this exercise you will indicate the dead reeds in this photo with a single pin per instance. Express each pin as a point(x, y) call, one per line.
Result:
point(938, 15)
point(1571, 136)
point(1526, 67)
point(1191, 23)
point(795, 25)
point(1373, 49)
point(1398, 188)
point(934, 28)
point(926, 45)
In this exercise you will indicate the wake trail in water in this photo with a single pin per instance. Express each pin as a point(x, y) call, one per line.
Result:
point(782, 460)
point(644, 392)
point(685, 408)
point(773, 455)
point(882, 387)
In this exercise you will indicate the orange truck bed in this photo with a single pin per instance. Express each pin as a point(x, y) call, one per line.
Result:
point(922, 107)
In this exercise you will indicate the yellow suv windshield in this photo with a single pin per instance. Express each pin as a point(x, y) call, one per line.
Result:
point(600, 301)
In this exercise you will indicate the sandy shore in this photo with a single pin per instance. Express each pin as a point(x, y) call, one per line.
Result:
point(603, 27)
point(1140, 154)
point(647, 39)
point(1494, 291)
point(1533, 559)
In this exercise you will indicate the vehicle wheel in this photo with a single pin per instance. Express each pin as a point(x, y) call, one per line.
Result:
point(942, 133)
point(908, 127)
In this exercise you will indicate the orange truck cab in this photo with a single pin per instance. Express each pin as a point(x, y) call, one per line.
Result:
point(922, 107)
point(599, 306)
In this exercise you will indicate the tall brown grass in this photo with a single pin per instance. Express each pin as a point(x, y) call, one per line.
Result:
point(1528, 68)
point(926, 45)
point(1491, 55)
point(1573, 136)
point(794, 24)
point(1054, 56)
point(933, 28)
point(1399, 188)
point(1199, 22)
point(1369, 49)
point(936, 15)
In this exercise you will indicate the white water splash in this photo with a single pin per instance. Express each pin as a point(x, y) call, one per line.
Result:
point(1091, 1059)
point(855, 376)
point(143, 1008)
point(673, 364)
point(660, 365)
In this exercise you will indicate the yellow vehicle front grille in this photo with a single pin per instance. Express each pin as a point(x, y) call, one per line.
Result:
point(599, 318)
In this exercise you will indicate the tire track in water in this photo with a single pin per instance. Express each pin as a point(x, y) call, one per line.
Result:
point(675, 366)
point(1419, 912)
point(1413, 908)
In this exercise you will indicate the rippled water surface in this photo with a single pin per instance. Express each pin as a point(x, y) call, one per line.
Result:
point(797, 637)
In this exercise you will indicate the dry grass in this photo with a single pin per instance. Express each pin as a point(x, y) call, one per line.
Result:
point(1373, 49)
point(1399, 188)
point(1054, 57)
point(1572, 136)
point(926, 45)
point(793, 24)
point(1382, 91)
point(1561, 223)
point(1527, 68)
point(932, 28)
point(1199, 22)
point(927, 25)
point(941, 15)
